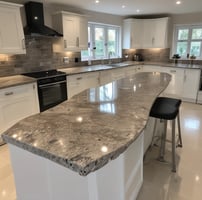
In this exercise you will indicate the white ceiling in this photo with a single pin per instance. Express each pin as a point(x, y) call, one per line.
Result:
point(146, 7)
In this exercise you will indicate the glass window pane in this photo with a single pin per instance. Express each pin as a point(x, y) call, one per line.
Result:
point(182, 48)
point(112, 42)
point(197, 33)
point(195, 48)
point(183, 34)
point(99, 42)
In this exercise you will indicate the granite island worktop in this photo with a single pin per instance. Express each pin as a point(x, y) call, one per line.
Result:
point(94, 127)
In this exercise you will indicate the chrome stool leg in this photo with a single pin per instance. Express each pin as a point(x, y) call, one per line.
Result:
point(173, 147)
point(163, 143)
point(179, 131)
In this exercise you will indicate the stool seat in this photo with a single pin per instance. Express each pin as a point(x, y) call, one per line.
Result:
point(165, 108)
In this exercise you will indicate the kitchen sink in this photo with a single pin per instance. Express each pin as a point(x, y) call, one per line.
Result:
point(119, 64)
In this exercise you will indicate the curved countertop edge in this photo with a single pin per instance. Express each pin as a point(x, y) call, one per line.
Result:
point(10, 81)
point(87, 166)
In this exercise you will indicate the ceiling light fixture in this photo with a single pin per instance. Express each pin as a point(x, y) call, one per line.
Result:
point(97, 1)
point(137, 10)
point(123, 6)
point(178, 2)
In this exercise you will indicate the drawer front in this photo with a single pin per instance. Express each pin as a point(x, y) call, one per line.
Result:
point(14, 92)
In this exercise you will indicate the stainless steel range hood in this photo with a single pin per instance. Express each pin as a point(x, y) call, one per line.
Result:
point(35, 21)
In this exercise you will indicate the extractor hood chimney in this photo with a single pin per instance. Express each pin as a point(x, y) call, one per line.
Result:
point(35, 21)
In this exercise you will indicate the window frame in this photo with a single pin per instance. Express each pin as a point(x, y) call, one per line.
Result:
point(190, 27)
point(106, 27)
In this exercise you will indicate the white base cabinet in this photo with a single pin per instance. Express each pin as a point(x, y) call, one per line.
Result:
point(184, 82)
point(120, 179)
point(80, 82)
point(17, 103)
point(11, 30)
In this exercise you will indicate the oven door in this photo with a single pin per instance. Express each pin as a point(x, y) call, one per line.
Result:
point(52, 94)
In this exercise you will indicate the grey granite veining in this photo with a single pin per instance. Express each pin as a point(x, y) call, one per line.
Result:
point(91, 68)
point(9, 81)
point(92, 128)
point(178, 65)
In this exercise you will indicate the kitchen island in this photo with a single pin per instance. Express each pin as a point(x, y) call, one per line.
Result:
point(89, 147)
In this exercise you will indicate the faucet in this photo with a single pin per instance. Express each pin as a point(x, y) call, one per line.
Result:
point(109, 57)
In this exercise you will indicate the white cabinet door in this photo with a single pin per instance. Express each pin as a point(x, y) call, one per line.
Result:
point(175, 87)
point(83, 33)
point(148, 33)
point(80, 82)
point(70, 32)
point(160, 33)
point(105, 77)
point(191, 84)
point(118, 73)
point(155, 33)
point(74, 28)
point(11, 30)
point(17, 103)
point(132, 33)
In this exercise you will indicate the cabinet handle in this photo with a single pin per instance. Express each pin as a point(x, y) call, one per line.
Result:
point(23, 43)
point(33, 87)
point(79, 78)
point(8, 93)
point(172, 71)
point(65, 44)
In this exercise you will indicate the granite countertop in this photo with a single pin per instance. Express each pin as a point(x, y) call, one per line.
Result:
point(100, 67)
point(87, 131)
point(9, 81)
point(178, 65)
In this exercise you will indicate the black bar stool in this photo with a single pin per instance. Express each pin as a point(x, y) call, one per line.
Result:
point(165, 108)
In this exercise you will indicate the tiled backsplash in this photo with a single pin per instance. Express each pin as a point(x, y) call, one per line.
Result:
point(40, 56)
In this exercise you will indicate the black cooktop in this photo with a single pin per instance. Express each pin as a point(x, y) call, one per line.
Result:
point(45, 74)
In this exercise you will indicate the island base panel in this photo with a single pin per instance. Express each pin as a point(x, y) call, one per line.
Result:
point(39, 178)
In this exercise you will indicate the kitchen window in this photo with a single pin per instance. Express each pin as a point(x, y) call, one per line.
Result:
point(103, 42)
point(188, 41)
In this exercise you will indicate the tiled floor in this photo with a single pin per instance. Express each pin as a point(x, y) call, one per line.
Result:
point(159, 182)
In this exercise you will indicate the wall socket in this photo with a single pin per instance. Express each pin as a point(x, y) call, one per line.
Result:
point(66, 60)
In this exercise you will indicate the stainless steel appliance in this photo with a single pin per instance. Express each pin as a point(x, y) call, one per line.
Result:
point(52, 88)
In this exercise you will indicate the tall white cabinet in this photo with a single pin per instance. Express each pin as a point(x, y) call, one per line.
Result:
point(74, 28)
point(11, 30)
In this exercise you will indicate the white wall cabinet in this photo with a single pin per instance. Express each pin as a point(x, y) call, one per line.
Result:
point(155, 33)
point(17, 103)
point(145, 33)
point(132, 33)
point(74, 28)
point(11, 30)
point(79, 82)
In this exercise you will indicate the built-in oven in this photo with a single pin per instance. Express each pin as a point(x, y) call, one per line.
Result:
point(52, 88)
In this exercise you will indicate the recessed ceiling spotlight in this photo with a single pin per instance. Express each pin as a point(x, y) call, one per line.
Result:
point(123, 6)
point(137, 10)
point(178, 2)
point(97, 1)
